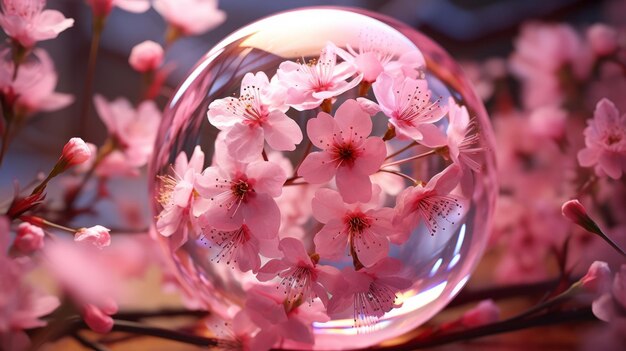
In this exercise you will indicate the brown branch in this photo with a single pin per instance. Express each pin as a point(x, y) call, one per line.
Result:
point(504, 292)
point(138, 315)
point(567, 316)
point(92, 345)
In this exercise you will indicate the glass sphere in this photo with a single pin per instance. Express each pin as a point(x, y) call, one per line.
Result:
point(348, 169)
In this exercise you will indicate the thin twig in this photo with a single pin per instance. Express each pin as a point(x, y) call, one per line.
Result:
point(412, 158)
point(400, 174)
point(307, 151)
point(92, 345)
point(414, 143)
point(138, 328)
point(567, 316)
point(98, 27)
point(503, 292)
point(137, 315)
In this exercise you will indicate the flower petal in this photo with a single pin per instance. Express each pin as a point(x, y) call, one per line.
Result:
point(317, 168)
point(281, 132)
point(331, 241)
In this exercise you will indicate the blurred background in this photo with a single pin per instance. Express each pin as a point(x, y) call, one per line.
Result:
point(469, 30)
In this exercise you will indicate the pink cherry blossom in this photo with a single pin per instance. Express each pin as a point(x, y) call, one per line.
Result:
point(28, 238)
point(97, 235)
point(102, 8)
point(21, 306)
point(369, 293)
point(602, 39)
point(308, 84)
point(253, 118)
point(407, 103)
point(409, 64)
point(611, 305)
point(301, 278)
point(235, 334)
point(179, 197)
point(86, 274)
point(132, 130)
point(279, 321)
point(239, 193)
point(541, 50)
point(605, 141)
point(433, 204)
point(116, 165)
point(232, 247)
point(33, 88)
point(362, 227)
point(347, 151)
point(463, 137)
point(190, 17)
point(375, 55)
point(146, 56)
point(26, 21)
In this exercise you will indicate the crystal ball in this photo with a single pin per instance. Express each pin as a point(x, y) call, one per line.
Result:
point(324, 179)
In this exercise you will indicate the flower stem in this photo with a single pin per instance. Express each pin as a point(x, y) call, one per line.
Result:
point(58, 226)
point(405, 176)
point(327, 105)
point(137, 315)
point(92, 345)
point(106, 149)
point(402, 150)
point(291, 180)
point(364, 87)
point(5, 140)
point(431, 152)
point(19, 54)
point(98, 27)
point(307, 151)
point(503, 292)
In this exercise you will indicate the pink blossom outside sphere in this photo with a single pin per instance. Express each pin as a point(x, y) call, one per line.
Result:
point(332, 165)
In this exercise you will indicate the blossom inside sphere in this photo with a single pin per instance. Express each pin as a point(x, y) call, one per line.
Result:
point(348, 152)
point(324, 204)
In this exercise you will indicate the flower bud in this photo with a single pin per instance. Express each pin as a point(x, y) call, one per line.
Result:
point(97, 235)
point(29, 238)
point(96, 319)
point(603, 39)
point(576, 212)
point(75, 152)
point(146, 56)
point(598, 278)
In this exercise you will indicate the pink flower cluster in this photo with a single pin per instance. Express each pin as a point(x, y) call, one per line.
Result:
point(250, 206)
point(564, 140)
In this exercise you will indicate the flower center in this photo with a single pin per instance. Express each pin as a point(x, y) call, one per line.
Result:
point(358, 223)
point(23, 8)
point(168, 183)
point(240, 188)
point(346, 153)
point(613, 138)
